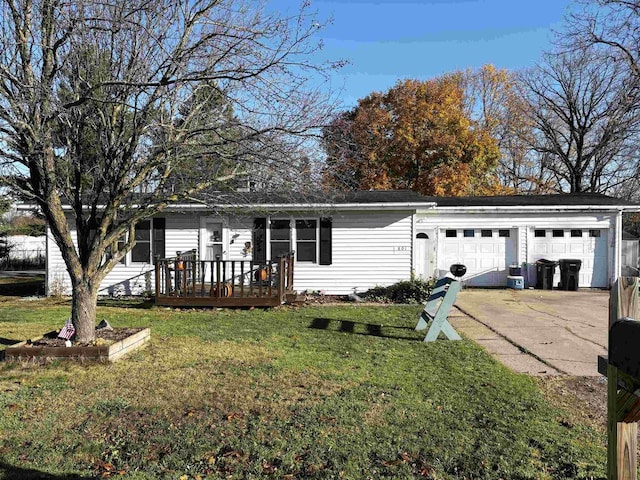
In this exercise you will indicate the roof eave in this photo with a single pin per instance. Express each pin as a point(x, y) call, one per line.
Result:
point(545, 208)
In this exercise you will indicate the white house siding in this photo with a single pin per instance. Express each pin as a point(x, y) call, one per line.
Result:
point(368, 249)
point(523, 225)
point(239, 233)
point(181, 234)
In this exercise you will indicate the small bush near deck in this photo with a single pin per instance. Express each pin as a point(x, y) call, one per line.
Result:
point(406, 291)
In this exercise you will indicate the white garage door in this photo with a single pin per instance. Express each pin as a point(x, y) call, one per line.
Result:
point(487, 254)
point(587, 245)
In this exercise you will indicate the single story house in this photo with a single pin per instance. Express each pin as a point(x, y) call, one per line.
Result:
point(369, 238)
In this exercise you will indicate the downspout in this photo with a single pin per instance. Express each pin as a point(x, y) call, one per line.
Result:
point(617, 250)
point(412, 270)
point(47, 256)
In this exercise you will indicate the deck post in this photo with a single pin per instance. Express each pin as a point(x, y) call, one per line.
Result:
point(157, 274)
point(218, 289)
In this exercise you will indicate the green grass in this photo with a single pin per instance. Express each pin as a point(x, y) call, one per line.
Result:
point(311, 392)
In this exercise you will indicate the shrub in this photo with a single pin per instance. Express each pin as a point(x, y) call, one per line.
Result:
point(407, 291)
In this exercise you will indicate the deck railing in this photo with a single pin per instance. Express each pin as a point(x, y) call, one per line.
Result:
point(185, 280)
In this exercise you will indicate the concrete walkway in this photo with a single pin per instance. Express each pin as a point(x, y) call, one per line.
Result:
point(538, 332)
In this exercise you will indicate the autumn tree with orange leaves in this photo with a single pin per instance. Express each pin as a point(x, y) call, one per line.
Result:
point(418, 135)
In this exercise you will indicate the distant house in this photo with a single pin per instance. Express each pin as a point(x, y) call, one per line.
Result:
point(369, 238)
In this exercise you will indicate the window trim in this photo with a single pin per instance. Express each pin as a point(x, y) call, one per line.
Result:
point(315, 240)
point(128, 258)
point(322, 241)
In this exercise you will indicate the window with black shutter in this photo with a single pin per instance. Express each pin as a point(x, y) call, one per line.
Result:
point(280, 238)
point(310, 238)
point(141, 251)
point(260, 240)
point(306, 240)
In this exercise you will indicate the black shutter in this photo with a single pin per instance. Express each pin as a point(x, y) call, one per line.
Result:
point(325, 241)
point(159, 226)
point(260, 240)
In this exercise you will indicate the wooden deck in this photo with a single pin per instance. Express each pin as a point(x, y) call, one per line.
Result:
point(184, 281)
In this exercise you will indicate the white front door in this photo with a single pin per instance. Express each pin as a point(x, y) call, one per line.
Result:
point(424, 256)
point(213, 242)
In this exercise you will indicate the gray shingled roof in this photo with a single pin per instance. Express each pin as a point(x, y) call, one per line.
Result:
point(354, 197)
point(564, 199)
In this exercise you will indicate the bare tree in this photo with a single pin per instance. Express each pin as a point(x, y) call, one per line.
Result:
point(584, 110)
point(496, 103)
point(106, 106)
point(611, 26)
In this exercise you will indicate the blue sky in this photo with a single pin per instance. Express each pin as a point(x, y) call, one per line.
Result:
point(385, 41)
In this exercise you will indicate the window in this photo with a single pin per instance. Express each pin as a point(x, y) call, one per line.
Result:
point(150, 240)
point(504, 233)
point(558, 233)
point(576, 233)
point(594, 233)
point(141, 251)
point(451, 233)
point(310, 238)
point(280, 238)
point(486, 233)
point(306, 240)
point(540, 233)
point(469, 233)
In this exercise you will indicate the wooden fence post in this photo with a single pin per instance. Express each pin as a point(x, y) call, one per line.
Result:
point(622, 443)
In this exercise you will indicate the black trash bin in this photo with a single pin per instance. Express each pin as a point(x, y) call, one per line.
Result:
point(569, 274)
point(545, 270)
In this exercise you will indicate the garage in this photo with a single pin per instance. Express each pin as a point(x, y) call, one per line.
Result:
point(486, 252)
point(589, 245)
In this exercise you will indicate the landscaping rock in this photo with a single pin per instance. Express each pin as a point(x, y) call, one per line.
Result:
point(104, 325)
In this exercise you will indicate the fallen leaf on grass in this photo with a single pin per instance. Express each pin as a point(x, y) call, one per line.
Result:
point(268, 468)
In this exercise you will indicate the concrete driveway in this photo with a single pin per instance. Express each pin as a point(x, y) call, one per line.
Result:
point(539, 332)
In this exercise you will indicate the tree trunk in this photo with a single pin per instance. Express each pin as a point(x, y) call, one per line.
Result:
point(83, 311)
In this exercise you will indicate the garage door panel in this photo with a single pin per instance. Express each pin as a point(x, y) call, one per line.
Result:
point(541, 248)
point(469, 248)
point(558, 248)
point(451, 248)
point(487, 263)
point(577, 248)
point(486, 248)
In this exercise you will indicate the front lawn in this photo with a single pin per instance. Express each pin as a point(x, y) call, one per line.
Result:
point(346, 391)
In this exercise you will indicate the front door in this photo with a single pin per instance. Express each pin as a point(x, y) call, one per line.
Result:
point(424, 246)
point(212, 242)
